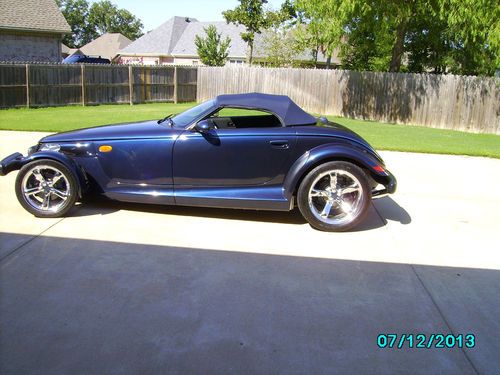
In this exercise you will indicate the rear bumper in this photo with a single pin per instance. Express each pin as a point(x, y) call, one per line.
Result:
point(390, 184)
point(11, 163)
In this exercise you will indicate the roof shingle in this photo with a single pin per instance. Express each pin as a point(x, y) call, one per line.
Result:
point(160, 41)
point(32, 15)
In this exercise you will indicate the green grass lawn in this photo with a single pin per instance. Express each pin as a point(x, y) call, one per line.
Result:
point(382, 136)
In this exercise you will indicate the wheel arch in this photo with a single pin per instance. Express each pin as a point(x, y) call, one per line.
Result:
point(324, 154)
point(78, 172)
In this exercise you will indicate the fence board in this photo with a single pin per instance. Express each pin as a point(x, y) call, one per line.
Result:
point(462, 103)
point(59, 84)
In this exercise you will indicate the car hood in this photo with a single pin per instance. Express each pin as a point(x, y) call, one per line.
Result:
point(137, 130)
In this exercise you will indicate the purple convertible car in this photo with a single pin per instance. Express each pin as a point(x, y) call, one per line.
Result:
point(271, 155)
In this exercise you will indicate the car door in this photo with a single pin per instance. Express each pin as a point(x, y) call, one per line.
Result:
point(232, 157)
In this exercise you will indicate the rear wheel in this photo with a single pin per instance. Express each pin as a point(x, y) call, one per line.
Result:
point(46, 188)
point(334, 196)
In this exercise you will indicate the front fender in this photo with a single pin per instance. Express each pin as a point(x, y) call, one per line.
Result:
point(16, 161)
point(329, 152)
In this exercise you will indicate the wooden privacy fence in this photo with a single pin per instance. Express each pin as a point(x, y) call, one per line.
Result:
point(440, 101)
point(36, 85)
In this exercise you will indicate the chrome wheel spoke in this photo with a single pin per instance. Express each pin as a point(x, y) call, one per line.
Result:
point(317, 193)
point(345, 207)
point(32, 191)
point(326, 210)
point(60, 194)
point(46, 202)
point(38, 175)
point(56, 178)
point(354, 188)
point(333, 180)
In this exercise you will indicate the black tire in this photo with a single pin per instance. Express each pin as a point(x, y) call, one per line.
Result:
point(67, 185)
point(348, 172)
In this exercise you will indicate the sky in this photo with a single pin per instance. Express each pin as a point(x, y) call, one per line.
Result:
point(154, 12)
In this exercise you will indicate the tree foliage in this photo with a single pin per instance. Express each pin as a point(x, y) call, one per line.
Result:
point(255, 17)
point(252, 15)
point(460, 36)
point(213, 51)
point(76, 13)
point(89, 22)
point(280, 47)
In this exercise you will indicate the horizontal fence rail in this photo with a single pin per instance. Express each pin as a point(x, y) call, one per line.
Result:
point(40, 85)
point(462, 103)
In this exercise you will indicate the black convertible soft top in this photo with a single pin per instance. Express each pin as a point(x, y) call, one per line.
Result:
point(282, 106)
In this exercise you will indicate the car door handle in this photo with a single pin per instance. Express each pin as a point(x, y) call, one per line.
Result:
point(281, 144)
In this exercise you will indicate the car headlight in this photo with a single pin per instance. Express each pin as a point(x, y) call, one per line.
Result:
point(50, 147)
point(32, 149)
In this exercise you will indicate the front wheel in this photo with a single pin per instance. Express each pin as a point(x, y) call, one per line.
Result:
point(46, 188)
point(334, 196)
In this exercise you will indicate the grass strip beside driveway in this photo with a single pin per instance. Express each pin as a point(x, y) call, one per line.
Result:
point(381, 135)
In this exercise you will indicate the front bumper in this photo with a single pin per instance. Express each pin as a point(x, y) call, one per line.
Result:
point(11, 163)
point(390, 184)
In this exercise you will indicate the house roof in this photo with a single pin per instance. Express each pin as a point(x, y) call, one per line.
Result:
point(65, 49)
point(160, 41)
point(107, 45)
point(281, 105)
point(176, 37)
point(32, 15)
point(186, 46)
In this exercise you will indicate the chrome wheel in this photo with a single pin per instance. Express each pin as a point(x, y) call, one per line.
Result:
point(335, 197)
point(45, 188)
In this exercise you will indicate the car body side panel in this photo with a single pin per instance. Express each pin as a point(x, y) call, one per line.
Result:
point(264, 197)
point(138, 162)
point(228, 158)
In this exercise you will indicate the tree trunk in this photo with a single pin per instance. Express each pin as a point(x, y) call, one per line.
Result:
point(398, 48)
point(328, 61)
point(250, 44)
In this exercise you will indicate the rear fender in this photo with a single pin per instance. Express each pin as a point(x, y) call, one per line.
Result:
point(330, 152)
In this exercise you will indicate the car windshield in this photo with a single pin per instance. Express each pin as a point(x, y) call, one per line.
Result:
point(187, 117)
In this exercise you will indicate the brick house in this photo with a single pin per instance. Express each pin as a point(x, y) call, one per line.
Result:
point(173, 42)
point(31, 30)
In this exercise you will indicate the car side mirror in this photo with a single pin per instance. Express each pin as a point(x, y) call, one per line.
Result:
point(204, 126)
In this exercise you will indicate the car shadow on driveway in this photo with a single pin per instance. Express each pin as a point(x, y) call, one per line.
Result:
point(382, 210)
point(389, 209)
point(69, 305)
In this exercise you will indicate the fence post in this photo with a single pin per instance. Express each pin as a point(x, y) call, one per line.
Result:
point(175, 84)
point(82, 67)
point(130, 85)
point(27, 86)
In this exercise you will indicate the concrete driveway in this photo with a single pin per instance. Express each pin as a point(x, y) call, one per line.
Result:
point(124, 288)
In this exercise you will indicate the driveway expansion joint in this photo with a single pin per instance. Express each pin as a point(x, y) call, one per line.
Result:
point(15, 250)
point(442, 316)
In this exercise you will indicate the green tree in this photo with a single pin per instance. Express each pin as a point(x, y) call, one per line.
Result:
point(417, 35)
point(106, 17)
point(76, 13)
point(213, 51)
point(280, 47)
point(252, 15)
point(89, 22)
